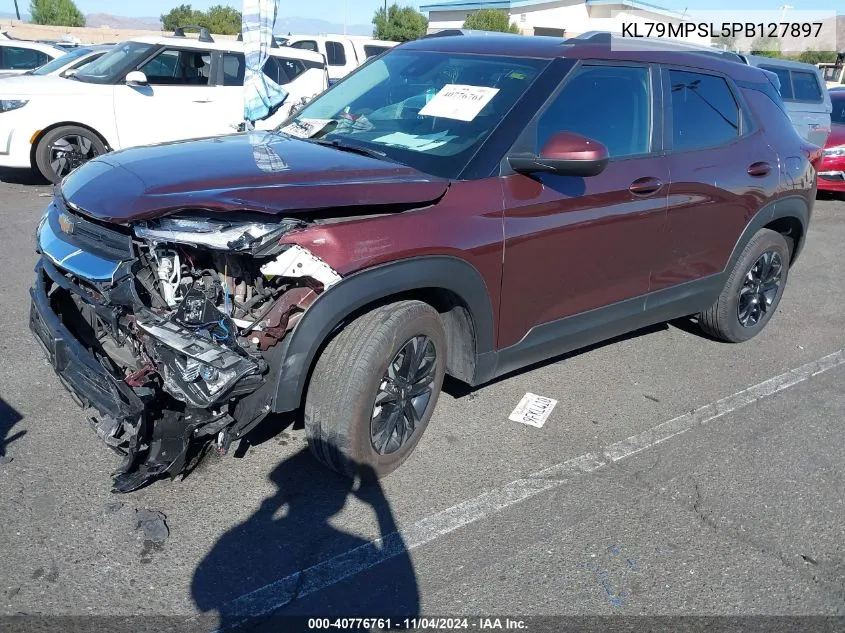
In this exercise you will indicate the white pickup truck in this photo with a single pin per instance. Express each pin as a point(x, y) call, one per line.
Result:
point(343, 53)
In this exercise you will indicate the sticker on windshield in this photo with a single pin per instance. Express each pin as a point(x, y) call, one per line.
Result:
point(456, 101)
point(306, 128)
point(417, 142)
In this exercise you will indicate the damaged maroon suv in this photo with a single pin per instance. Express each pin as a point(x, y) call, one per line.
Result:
point(460, 205)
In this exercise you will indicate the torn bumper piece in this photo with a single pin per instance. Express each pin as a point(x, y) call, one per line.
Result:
point(154, 442)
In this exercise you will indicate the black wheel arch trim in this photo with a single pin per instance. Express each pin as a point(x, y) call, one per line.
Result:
point(370, 286)
point(788, 207)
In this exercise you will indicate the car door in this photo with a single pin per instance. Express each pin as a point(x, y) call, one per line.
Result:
point(721, 169)
point(176, 103)
point(574, 244)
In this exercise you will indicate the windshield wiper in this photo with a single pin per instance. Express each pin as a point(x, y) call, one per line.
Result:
point(356, 149)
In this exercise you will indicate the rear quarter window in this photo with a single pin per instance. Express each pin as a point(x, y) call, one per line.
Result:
point(806, 87)
point(785, 80)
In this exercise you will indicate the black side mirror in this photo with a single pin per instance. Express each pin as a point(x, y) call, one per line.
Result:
point(565, 154)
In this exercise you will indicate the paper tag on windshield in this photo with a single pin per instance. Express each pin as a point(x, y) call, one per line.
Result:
point(456, 101)
point(306, 128)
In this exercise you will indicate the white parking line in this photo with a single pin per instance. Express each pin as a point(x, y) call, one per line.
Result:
point(274, 596)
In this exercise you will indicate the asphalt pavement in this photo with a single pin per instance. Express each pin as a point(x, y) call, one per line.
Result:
point(676, 476)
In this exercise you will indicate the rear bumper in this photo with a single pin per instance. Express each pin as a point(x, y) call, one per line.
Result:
point(88, 381)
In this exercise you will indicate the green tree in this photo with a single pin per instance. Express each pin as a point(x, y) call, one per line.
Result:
point(817, 57)
point(56, 13)
point(766, 47)
point(400, 24)
point(183, 15)
point(490, 20)
point(219, 19)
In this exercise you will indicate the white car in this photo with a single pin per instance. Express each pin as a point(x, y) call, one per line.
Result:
point(20, 56)
point(74, 60)
point(144, 91)
point(343, 53)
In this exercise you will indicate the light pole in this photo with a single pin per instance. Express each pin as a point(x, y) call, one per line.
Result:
point(783, 9)
point(17, 11)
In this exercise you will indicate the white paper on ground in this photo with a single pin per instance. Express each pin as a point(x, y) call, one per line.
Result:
point(533, 410)
point(457, 101)
point(305, 128)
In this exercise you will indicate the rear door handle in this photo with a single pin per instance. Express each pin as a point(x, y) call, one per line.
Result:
point(759, 169)
point(645, 186)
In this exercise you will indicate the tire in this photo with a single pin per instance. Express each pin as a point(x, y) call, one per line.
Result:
point(340, 405)
point(731, 318)
point(62, 150)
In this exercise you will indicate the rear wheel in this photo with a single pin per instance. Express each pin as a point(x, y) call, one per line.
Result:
point(374, 389)
point(62, 150)
point(753, 290)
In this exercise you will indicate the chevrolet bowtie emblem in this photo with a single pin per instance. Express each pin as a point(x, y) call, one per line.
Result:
point(66, 223)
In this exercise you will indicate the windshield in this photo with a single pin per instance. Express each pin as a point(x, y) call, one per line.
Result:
point(428, 110)
point(115, 63)
point(60, 62)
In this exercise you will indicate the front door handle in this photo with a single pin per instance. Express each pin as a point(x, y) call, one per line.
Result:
point(759, 169)
point(645, 186)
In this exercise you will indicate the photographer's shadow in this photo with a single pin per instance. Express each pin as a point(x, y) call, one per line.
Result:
point(288, 560)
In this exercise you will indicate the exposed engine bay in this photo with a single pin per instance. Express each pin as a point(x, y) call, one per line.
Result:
point(186, 320)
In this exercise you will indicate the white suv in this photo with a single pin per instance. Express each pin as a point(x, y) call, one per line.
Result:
point(144, 91)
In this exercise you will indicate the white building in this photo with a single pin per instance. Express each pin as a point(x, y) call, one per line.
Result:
point(561, 18)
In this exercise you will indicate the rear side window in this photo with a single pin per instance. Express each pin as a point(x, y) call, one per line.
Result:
point(17, 58)
point(234, 68)
point(372, 51)
point(307, 45)
point(704, 111)
point(785, 80)
point(283, 71)
point(609, 104)
point(806, 86)
point(335, 54)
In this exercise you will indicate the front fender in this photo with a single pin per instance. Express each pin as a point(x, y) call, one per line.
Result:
point(370, 286)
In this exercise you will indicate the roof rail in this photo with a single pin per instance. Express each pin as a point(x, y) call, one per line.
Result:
point(652, 43)
point(204, 36)
point(452, 32)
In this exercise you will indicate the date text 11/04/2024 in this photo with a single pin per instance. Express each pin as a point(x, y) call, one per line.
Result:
point(752, 30)
point(418, 624)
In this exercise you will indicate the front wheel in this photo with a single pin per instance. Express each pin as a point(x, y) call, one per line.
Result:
point(752, 292)
point(62, 150)
point(374, 389)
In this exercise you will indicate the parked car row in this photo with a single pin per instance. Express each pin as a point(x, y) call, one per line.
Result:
point(459, 205)
point(343, 54)
point(146, 90)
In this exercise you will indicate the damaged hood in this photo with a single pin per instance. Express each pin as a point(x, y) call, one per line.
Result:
point(256, 171)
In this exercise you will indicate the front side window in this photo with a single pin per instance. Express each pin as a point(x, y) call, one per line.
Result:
point(785, 80)
point(17, 58)
point(609, 104)
point(335, 54)
point(806, 86)
point(704, 111)
point(428, 110)
point(173, 67)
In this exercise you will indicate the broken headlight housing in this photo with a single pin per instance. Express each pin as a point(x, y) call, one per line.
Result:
point(214, 233)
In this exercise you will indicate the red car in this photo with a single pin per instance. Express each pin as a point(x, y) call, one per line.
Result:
point(460, 205)
point(832, 167)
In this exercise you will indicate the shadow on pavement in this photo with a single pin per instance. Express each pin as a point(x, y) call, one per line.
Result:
point(21, 177)
point(288, 560)
point(8, 418)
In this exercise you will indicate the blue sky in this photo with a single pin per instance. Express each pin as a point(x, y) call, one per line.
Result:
point(361, 11)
